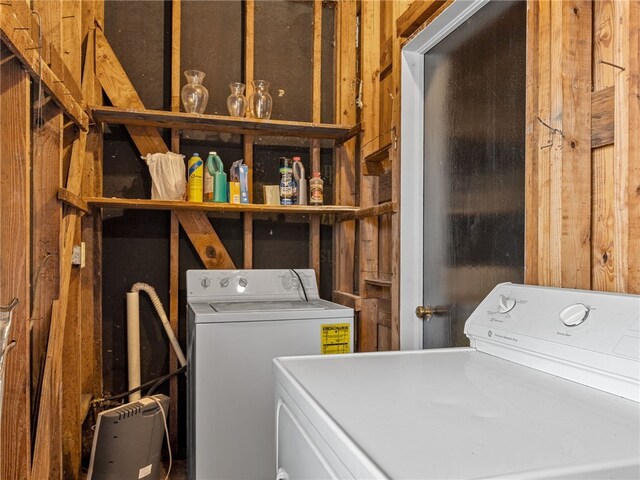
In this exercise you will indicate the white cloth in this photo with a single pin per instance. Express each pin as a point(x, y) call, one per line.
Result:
point(168, 175)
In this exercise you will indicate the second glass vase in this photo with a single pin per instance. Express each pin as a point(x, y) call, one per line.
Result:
point(194, 95)
point(260, 101)
point(237, 102)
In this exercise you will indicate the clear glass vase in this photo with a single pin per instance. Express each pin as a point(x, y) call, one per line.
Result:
point(194, 95)
point(260, 101)
point(237, 102)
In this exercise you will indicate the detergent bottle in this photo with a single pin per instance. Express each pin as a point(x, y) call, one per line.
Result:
point(209, 171)
point(298, 175)
point(219, 180)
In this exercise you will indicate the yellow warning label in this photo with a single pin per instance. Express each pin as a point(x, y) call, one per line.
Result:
point(334, 338)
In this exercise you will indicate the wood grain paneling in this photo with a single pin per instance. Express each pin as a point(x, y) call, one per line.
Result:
point(15, 443)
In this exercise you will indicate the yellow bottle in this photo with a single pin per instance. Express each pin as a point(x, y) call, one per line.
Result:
point(196, 172)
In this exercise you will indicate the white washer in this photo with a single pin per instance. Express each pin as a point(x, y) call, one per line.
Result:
point(238, 322)
point(549, 389)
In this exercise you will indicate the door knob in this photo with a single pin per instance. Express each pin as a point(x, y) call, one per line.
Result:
point(427, 311)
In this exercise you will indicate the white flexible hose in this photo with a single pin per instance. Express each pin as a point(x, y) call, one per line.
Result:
point(163, 317)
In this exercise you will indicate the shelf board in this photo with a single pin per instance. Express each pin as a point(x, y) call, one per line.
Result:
point(220, 123)
point(146, 204)
point(375, 161)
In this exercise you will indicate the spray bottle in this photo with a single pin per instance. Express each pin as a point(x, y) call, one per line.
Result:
point(298, 174)
point(195, 178)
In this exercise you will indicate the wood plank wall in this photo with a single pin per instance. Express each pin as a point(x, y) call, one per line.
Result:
point(583, 192)
point(582, 150)
point(58, 302)
point(15, 191)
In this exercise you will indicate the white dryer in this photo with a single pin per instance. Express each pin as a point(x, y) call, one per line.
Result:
point(549, 388)
point(238, 322)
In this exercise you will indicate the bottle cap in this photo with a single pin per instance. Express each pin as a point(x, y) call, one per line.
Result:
point(296, 159)
point(195, 154)
point(316, 174)
point(212, 153)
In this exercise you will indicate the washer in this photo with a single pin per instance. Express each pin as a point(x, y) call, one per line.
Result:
point(548, 389)
point(238, 322)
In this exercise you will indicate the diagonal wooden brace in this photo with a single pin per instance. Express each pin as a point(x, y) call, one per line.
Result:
point(121, 92)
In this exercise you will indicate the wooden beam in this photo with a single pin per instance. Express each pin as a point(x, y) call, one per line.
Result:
point(605, 273)
point(626, 149)
point(368, 227)
point(416, 15)
point(345, 155)
point(377, 162)
point(119, 89)
point(46, 219)
point(247, 141)
point(174, 235)
point(204, 239)
point(174, 319)
point(73, 200)
point(316, 112)
point(15, 197)
point(14, 33)
point(602, 117)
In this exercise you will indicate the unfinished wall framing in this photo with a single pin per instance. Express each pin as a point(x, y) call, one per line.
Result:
point(582, 183)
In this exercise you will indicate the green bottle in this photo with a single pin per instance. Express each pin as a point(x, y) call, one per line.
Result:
point(209, 172)
point(219, 180)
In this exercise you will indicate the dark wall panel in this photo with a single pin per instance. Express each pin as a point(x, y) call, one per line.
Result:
point(212, 42)
point(140, 34)
point(284, 55)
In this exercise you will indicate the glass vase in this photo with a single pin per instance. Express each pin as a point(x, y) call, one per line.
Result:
point(260, 101)
point(194, 95)
point(237, 102)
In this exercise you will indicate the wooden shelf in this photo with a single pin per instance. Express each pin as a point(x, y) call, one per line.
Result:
point(219, 123)
point(375, 161)
point(145, 204)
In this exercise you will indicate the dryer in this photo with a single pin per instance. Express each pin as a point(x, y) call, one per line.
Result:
point(549, 388)
point(238, 322)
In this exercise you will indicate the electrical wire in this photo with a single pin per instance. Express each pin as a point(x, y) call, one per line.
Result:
point(161, 380)
point(304, 290)
point(154, 383)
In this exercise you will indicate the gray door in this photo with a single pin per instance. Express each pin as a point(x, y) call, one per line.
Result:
point(474, 166)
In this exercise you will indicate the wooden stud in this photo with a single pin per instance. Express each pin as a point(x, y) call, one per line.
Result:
point(15, 197)
point(247, 141)
point(415, 16)
point(316, 111)
point(345, 155)
point(46, 219)
point(176, 40)
point(72, 38)
point(174, 285)
point(368, 227)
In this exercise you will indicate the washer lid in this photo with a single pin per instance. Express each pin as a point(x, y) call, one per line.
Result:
point(265, 306)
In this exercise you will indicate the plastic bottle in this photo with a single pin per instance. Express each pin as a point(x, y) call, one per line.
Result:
point(209, 171)
point(195, 178)
point(286, 182)
point(301, 182)
point(316, 190)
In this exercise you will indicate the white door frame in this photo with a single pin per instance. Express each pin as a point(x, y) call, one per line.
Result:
point(411, 163)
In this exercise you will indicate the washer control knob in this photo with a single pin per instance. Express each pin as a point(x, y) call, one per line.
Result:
point(505, 304)
point(574, 314)
point(224, 282)
point(242, 282)
point(205, 282)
